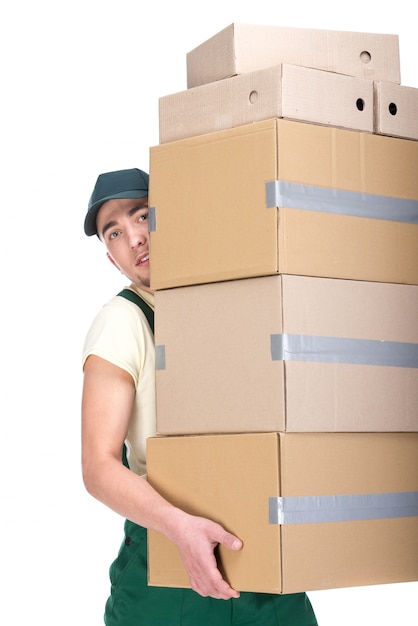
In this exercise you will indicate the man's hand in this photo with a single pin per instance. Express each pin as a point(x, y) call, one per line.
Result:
point(197, 539)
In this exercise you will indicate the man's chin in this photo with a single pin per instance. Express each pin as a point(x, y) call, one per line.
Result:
point(142, 282)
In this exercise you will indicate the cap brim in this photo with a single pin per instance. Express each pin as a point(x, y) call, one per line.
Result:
point(90, 227)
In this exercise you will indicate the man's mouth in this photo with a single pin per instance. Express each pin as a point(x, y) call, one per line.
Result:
point(142, 259)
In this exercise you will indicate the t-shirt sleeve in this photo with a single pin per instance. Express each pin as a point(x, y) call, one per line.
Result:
point(118, 334)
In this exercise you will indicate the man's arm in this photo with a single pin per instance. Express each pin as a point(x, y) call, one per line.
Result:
point(108, 396)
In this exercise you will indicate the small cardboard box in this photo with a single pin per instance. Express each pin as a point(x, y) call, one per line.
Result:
point(241, 48)
point(280, 196)
point(287, 353)
point(396, 110)
point(314, 511)
point(288, 91)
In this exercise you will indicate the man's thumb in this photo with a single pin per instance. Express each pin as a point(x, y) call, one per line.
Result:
point(232, 542)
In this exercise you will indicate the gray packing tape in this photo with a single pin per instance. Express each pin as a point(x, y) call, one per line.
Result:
point(323, 199)
point(287, 347)
point(160, 357)
point(342, 508)
point(152, 219)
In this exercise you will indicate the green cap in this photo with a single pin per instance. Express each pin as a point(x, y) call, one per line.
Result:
point(111, 185)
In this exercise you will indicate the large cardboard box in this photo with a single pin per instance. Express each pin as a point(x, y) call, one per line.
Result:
point(288, 91)
point(241, 48)
point(287, 353)
point(280, 196)
point(396, 110)
point(314, 511)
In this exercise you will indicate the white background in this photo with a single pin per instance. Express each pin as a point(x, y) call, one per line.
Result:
point(80, 83)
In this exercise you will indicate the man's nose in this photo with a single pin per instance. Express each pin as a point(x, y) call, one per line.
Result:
point(136, 236)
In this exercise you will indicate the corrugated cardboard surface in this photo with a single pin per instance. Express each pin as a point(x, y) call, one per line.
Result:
point(212, 222)
point(220, 376)
point(287, 91)
point(241, 48)
point(230, 478)
point(396, 110)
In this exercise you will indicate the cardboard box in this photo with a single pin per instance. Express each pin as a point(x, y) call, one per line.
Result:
point(241, 48)
point(287, 353)
point(347, 205)
point(288, 91)
point(314, 511)
point(396, 110)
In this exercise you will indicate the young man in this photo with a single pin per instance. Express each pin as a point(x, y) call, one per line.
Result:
point(118, 411)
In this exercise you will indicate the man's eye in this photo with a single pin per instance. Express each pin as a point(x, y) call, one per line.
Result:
point(143, 217)
point(114, 234)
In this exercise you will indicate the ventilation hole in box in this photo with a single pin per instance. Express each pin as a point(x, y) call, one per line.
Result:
point(360, 104)
point(393, 109)
point(365, 57)
point(253, 97)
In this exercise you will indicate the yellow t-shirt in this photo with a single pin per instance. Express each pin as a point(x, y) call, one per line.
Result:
point(121, 335)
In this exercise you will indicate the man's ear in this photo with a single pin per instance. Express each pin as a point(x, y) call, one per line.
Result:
point(112, 261)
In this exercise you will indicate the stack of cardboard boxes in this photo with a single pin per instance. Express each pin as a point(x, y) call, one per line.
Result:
point(284, 243)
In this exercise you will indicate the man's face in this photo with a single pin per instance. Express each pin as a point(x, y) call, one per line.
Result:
point(122, 225)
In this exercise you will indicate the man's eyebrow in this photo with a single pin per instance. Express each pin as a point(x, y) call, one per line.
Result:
point(108, 226)
point(135, 209)
point(131, 212)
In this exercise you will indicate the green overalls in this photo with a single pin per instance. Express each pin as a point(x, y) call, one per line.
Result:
point(133, 603)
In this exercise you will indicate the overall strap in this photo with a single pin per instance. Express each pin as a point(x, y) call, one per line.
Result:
point(146, 309)
point(149, 314)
